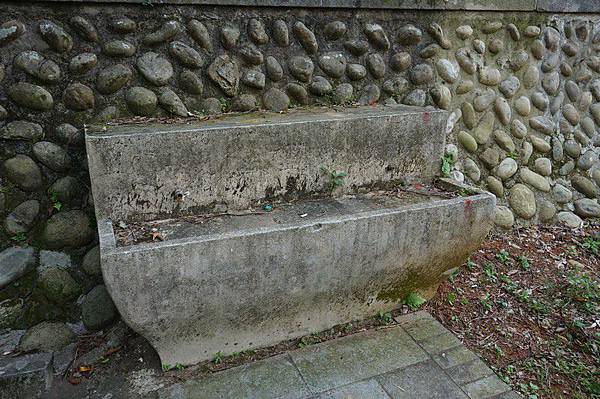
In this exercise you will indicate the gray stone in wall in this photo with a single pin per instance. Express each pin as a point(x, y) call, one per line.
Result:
point(15, 262)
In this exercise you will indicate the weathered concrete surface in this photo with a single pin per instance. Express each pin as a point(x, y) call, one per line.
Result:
point(389, 363)
point(137, 171)
point(238, 283)
point(27, 376)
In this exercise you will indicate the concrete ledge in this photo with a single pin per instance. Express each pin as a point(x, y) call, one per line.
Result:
point(159, 171)
point(238, 283)
point(489, 5)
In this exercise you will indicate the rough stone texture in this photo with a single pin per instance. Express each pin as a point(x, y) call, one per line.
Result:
point(46, 336)
point(390, 131)
point(15, 262)
point(97, 309)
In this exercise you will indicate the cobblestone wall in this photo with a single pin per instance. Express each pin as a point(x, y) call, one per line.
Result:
point(523, 90)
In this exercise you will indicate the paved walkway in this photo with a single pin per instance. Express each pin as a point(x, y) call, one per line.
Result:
point(418, 358)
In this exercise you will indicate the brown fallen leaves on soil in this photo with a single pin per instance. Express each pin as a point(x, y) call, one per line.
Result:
point(528, 302)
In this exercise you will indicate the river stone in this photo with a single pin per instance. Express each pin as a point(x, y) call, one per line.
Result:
point(79, 97)
point(457, 176)
point(464, 86)
point(543, 166)
point(518, 60)
point(551, 83)
point(118, 48)
point(550, 63)
point(186, 55)
point(113, 78)
point(507, 168)
point(166, 32)
point(333, 64)
point(369, 95)
point(495, 186)
point(141, 101)
point(546, 210)
point(376, 35)
point(572, 148)
point(3, 113)
point(467, 141)
point(464, 32)
point(421, 74)
point(468, 115)
point(16, 262)
point(503, 110)
point(535, 180)
point(585, 186)
point(376, 65)
point(225, 74)
point(31, 96)
point(400, 62)
point(537, 49)
point(46, 337)
point(281, 33)
point(587, 208)
point(356, 72)
point(415, 98)
point(199, 33)
point(557, 149)
point(587, 124)
point(522, 106)
point(479, 46)
point(396, 86)
point(91, 262)
point(540, 100)
point(22, 130)
point(156, 69)
point(526, 152)
point(57, 285)
point(276, 100)
point(409, 35)
point(273, 69)
point(483, 131)
point(435, 30)
point(489, 76)
point(466, 61)
point(344, 93)
point(171, 102)
point(561, 194)
point(22, 217)
point(570, 114)
point(356, 47)
point(490, 157)
point(595, 111)
point(441, 96)
point(229, 36)
point(244, 103)
point(256, 32)
point(587, 160)
point(23, 172)
point(83, 63)
point(495, 46)
point(298, 93)
point(522, 201)
point(320, 86)
point(251, 55)
point(532, 31)
point(472, 170)
point(334, 30)
point(569, 219)
point(38, 66)
point(542, 124)
point(68, 229)
point(190, 82)
point(540, 144)
point(306, 38)
point(55, 36)
point(509, 86)
point(10, 30)
point(301, 68)
point(566, 168)
point(52, 155)
point(531, 77)
point(66, 189)
point(123, 25)
point(253, 78)
point(97, 308)
point(430, 51)
point(504, 217)
point(504, 141)
point(483, 100)
point(211, 106)
point(447, 70)
point(566, 69)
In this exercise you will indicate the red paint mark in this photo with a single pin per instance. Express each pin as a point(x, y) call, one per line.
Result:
point(426, 117)
point(468, 210)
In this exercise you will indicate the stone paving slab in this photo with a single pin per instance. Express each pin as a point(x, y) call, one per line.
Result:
point(416, 359)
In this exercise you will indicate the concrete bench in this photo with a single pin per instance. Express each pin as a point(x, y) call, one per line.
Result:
point(225, 279)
